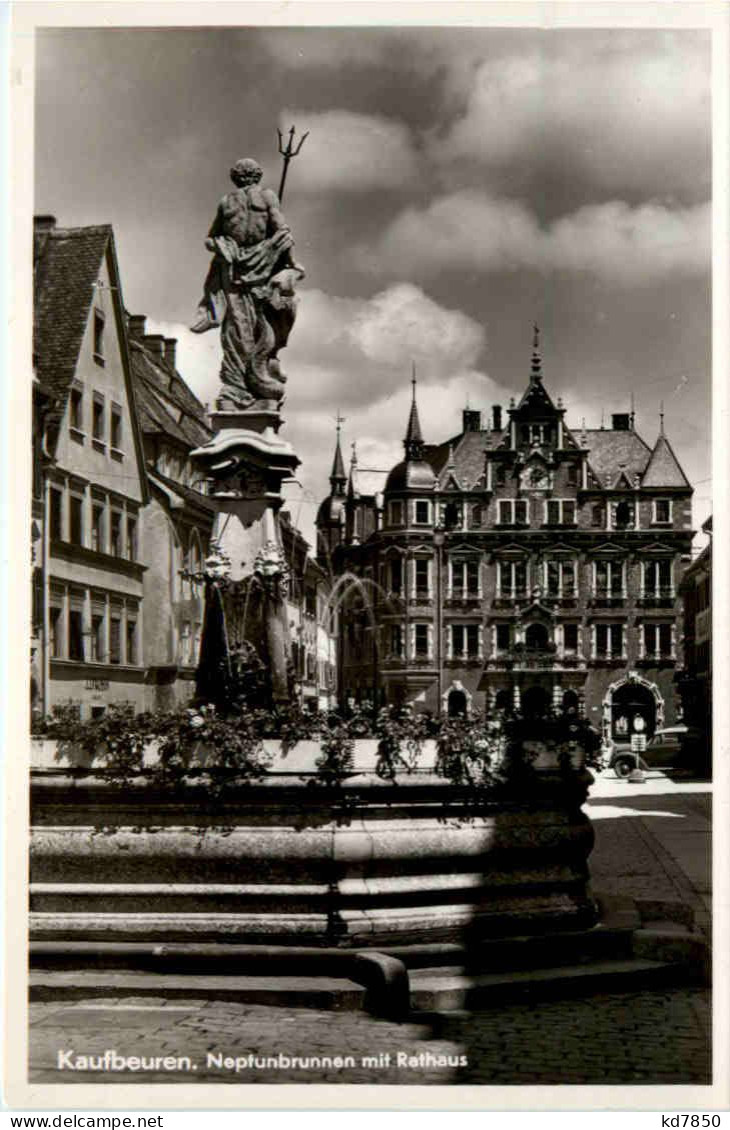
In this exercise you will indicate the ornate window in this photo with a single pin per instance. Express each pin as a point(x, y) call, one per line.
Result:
point(513, 512)
point(464, 641)
point(609, 580)
point(422, 577)
point(503, 637)
point(662, 512)
point(657, 641)
point(570, 639)
point(422, 641)
point(560, 578)
point(608, 641)
point(512, 579)
point(657, 579)
point(464, 579)
point(559, 512)
point(396, 575)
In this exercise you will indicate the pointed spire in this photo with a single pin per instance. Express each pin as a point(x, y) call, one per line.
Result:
point(583, 433)
point(632, 413)
point(338, 478)
point(450, 465)
point(352, 490)
point(413, 442)
point(536, 371)
point(661, 417)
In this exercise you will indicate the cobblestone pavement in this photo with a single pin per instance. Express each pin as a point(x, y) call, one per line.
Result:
point(658, 1037)
point(653, 841)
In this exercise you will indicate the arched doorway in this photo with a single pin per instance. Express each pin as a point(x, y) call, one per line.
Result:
point(456, 704)
point(503, 700)
point(570, 701)
point(629, 701)
point(536, 637)
point(535, 702)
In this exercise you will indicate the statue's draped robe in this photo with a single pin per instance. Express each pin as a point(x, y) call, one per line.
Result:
point(249, 291)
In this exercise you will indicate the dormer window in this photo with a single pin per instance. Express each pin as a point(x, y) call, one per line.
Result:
point(662, 515)
point(560, 512)
point(622, 514)
point(99, 337)
point(513, 512)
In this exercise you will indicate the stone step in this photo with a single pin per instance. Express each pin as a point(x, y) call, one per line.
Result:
point(522, 952)
point(446, 989)
point(333, 994)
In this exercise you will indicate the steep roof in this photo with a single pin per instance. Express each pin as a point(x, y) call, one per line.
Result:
point(186, 494)
point(166, 404)
point(66, 266)
point(468, 459)
point(338, 465)
point(66, 269)
point(611, 452)
point(413, 431)
point(663, 469)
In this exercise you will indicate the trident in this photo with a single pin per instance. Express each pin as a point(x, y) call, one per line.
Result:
point(287, 153)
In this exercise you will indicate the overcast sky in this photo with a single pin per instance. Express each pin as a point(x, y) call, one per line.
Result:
point(456, 186)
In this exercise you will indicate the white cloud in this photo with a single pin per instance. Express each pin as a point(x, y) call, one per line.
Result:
point(352, 152)
point(355, 355)
point(627, 113)
point(470, 230)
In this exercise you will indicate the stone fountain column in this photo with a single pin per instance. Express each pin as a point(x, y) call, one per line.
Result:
point(247, 463)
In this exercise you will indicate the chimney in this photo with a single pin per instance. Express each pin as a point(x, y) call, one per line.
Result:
point(43, 223)
point(471, 420)
point(155, 344)
point(136, 326)
point(496, 418)
point(620, 422)
point(170, 351)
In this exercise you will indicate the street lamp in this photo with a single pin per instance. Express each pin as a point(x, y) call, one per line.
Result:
point(439, 536)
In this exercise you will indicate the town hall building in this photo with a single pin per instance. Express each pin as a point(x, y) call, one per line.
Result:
point(519, 564)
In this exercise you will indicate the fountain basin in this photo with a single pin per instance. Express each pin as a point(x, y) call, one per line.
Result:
point(288, 861)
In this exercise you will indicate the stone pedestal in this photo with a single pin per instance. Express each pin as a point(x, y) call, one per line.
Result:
point(247, 463)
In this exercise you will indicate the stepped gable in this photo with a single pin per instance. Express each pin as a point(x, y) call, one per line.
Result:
point(663, 469)
point(66, 270)
point(611, 452)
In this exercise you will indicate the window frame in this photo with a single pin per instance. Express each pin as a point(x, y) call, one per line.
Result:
point(76, 507)
point(656, 520)
point(76, 412)
point(610, 627)
point(99, 325)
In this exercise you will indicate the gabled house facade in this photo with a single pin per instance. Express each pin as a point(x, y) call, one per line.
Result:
point(520, 565)
point(178, 519)
point(94, 481)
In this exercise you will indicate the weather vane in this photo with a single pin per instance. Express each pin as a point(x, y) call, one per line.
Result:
point(288, 151)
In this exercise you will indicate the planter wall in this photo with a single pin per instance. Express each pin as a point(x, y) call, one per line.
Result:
point(287, 861)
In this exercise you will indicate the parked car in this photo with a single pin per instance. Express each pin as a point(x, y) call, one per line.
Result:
point(667, 748)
